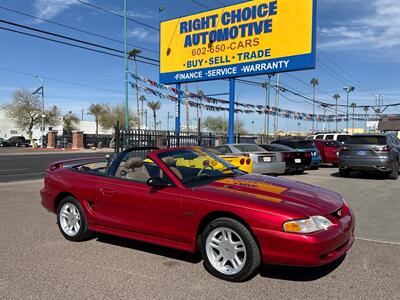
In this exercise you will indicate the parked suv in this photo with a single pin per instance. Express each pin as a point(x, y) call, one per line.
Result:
point(18, 141)
point(371, 152)
point(340, 137)
point(329, 150)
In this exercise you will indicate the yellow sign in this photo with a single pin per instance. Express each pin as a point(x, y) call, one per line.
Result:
point(255, 37)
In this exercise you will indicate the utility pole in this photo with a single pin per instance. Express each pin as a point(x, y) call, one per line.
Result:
point(366, 118)
point(353, 106)
point(42, 93)
point(348, 90)
point(336, 97)
point(145, 117)
point(314, 82)
point(276, 105)
point(325, 107)
point(267, 86)
point(126, 62)
point(187, 107)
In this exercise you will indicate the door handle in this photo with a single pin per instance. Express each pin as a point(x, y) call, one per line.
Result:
point(107, 192)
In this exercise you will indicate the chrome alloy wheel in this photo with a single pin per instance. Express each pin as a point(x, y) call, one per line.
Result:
point(226, 251)
point(70, 219)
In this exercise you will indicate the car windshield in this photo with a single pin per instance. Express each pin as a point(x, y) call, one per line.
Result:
point(304, 145)
point(277, 147)
point(249, 148)
point(195, 165)
point(367, 140)
point(333, 144)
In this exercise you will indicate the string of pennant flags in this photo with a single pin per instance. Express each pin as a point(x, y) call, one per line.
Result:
point(244, 107)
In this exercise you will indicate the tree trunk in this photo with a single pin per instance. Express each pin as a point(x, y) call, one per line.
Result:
point(137, 96)
point(155, 120)
point(30, 135)
point(97, 125)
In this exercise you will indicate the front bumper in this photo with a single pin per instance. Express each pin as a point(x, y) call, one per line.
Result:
point(309, 250)
point(269, 168)
point(365, 164)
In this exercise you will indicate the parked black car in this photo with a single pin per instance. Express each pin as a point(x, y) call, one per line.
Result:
point(371, 152)
point(18, 141)
point(3, 143)
point(296, 161)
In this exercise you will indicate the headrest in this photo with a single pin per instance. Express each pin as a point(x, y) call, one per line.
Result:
point(133, 163)
point(169, 161)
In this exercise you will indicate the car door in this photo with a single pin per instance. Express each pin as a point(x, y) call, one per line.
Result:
point(135, 207)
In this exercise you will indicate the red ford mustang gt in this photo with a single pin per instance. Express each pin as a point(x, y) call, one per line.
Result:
point(190, 199)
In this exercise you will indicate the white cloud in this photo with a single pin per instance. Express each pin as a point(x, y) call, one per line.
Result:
point(50, 8)
point(380, 30)
point(143, 35)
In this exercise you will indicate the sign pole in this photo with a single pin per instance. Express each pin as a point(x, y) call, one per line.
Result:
point(178, 112)
point(231, 131)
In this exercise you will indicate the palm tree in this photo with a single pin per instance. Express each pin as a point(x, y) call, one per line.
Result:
point(96, 110)
point(70, 121)
point(201, 94)
point(336, 97)
point(353, 106)
point(154, 106)
point(314, 82)
point(366, 108)
point(133, 54)
point(142, 99)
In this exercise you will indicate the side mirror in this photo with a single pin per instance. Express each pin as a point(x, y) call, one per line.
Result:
point(157, 182)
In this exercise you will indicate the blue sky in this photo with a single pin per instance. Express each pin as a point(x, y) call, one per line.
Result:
point(358, 43)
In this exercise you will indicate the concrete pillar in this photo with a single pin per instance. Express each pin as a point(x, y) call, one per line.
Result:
point(77, 140)
point(52, 139)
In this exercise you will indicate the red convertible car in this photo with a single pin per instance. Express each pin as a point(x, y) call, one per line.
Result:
point(236, 220)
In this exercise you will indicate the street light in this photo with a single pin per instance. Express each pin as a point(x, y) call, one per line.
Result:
point(348, 90)
point(40, 91)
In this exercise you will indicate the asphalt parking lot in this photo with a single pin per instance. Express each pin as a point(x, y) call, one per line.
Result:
point(38, 263)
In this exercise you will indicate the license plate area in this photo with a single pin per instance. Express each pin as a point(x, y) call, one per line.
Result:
point(267, 159)
point(297, 160)
point(362, 153)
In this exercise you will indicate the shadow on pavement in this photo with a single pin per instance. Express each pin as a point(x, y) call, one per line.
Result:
point(149, 248)
point(299, 273)
point(363, 175)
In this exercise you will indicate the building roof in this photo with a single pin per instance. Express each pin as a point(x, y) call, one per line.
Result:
point(389, 124)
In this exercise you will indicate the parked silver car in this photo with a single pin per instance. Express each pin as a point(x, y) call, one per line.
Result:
point(263, 162)
point(371, 152)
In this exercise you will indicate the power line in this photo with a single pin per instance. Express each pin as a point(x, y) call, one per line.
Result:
point(72, 39)
point(76, 29)
point(60, 80)
point(117, 14)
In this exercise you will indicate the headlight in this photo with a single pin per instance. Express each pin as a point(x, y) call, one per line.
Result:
point(312, 224)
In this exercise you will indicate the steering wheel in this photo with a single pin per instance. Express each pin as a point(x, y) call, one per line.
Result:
point(203, 169)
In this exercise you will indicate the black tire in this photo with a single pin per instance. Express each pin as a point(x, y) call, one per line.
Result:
point(253, 256)
point(344, 172)
point(83, 232)
point(394, 174)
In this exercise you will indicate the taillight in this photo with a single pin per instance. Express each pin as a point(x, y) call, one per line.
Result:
point(385, 148)
point(248, 161)
point(286, 155)
point(307, 154)
point(242, 161)
point(55, 166)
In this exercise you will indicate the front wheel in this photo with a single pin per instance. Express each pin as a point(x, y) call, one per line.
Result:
point(71, 220)
point(229, 250)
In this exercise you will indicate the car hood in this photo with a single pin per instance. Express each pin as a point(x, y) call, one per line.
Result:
point(261, 191)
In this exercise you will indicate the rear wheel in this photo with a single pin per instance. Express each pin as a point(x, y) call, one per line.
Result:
point(394, 174)
point(229, 250)
point(71, 220)
point(344, 172)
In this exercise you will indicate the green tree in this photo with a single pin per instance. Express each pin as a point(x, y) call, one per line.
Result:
point(25, 110)
point(154, 106)
point(96, 110)
point(113, 114)
point(70, 121)
point(133, 55)
point(219, 125)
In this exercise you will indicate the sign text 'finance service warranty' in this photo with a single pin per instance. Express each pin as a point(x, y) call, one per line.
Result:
point(255, 37)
